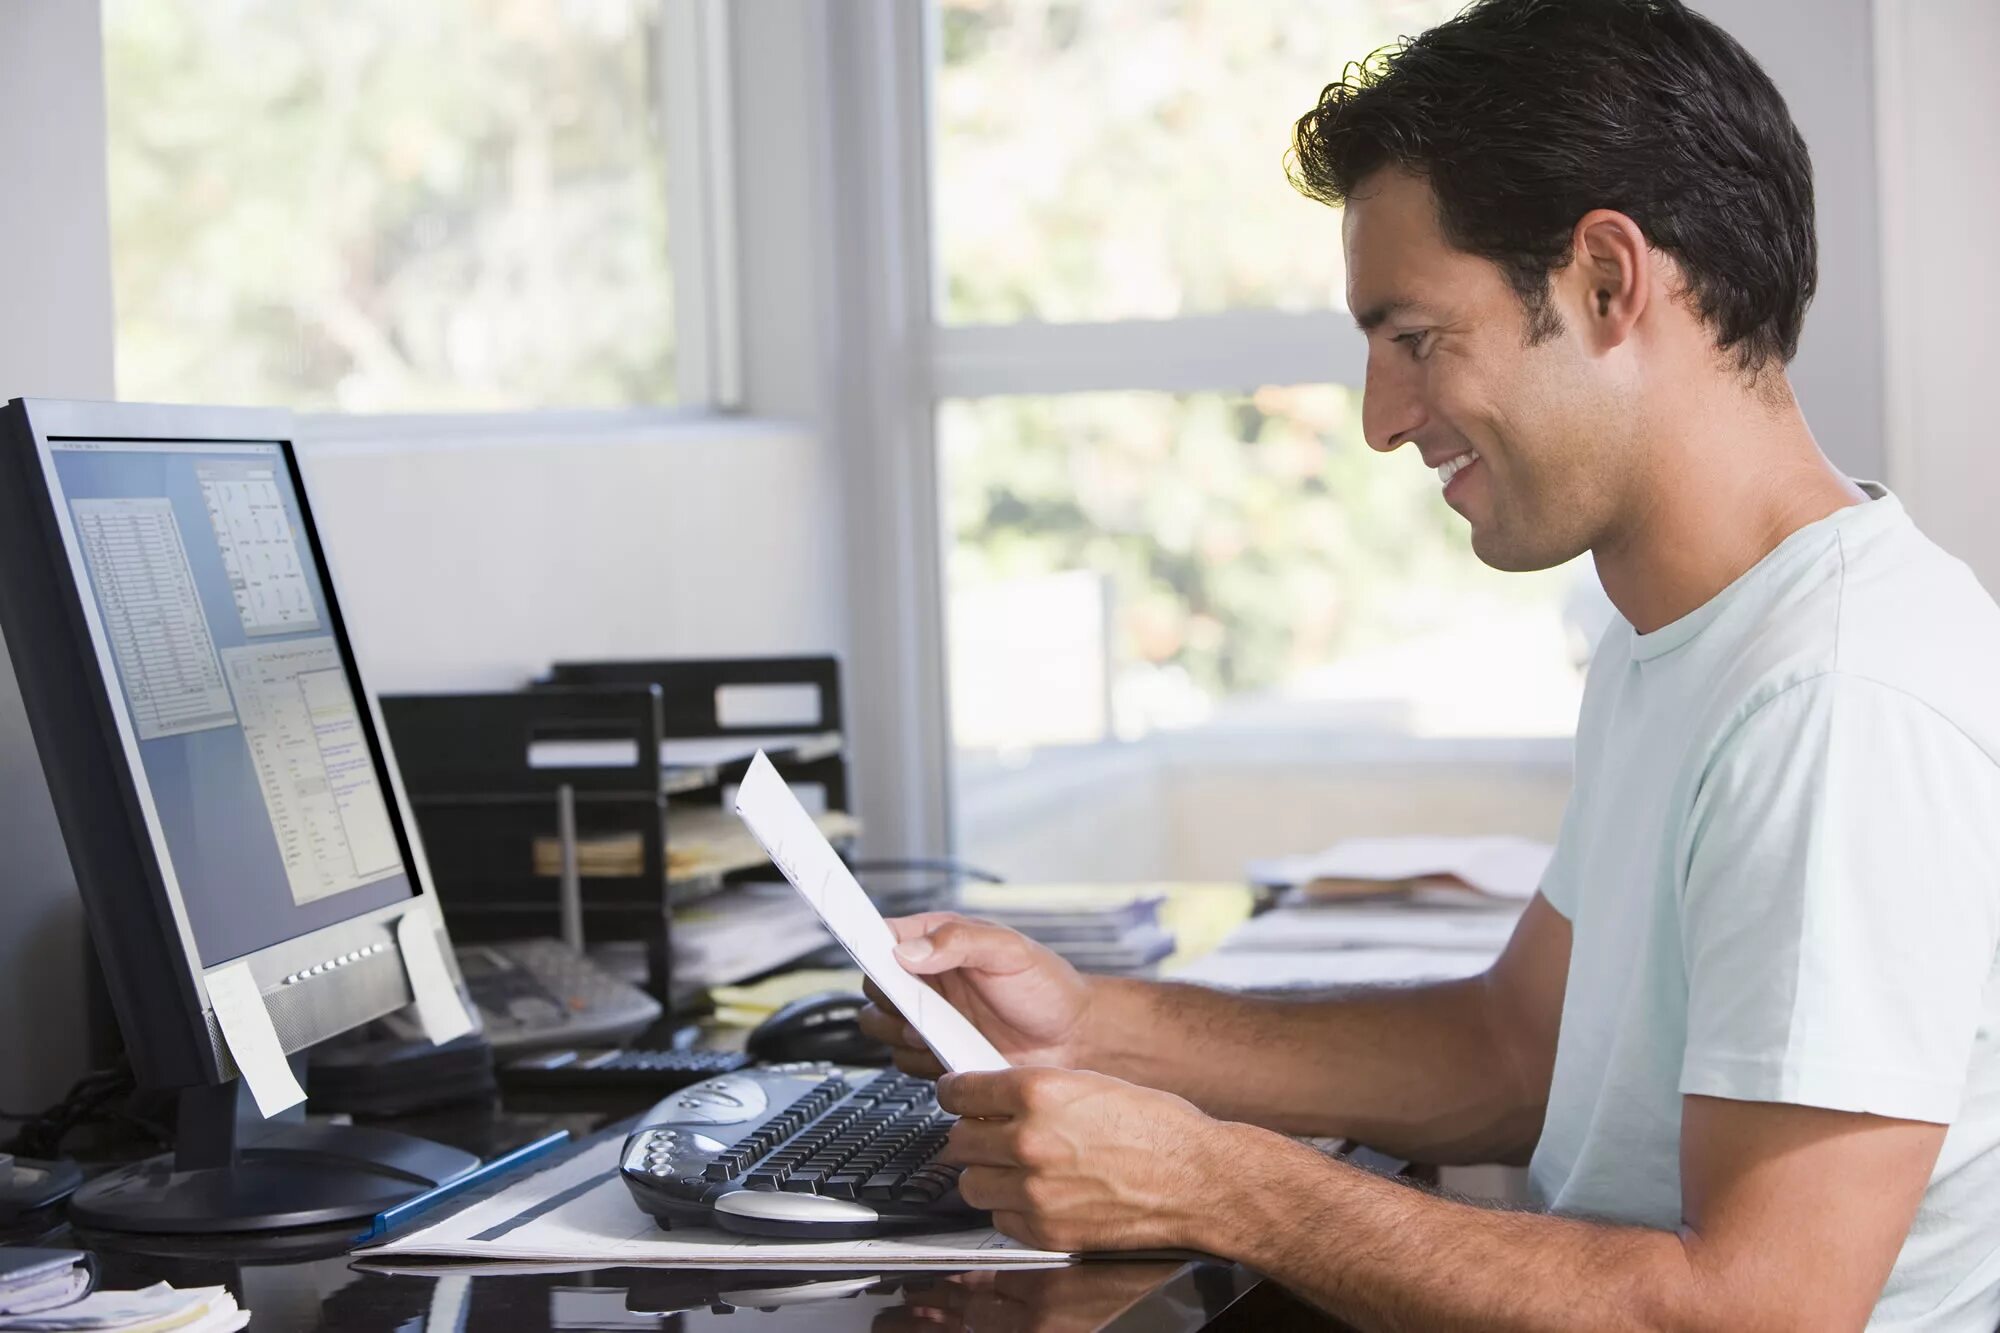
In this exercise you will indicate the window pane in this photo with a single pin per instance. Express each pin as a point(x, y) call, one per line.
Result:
point(1124, 563)
point(1116, 159)
point(389, 204)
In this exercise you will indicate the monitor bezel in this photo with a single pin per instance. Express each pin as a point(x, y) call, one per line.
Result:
point(182, 1049)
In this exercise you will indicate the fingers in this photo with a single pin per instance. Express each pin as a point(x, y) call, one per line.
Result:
point(918, 1062)
point(1009, 1222)
point(879, 1000)
point(919, 924)
point(962, 942)
point(885, 1023)
point(981, 1143)
point(993, 1189)
point(994, 1095)
point(890, 1030)
point(882, 1021)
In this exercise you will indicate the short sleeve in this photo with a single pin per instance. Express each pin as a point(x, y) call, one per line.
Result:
point(1558, 884)
point(1841, 905)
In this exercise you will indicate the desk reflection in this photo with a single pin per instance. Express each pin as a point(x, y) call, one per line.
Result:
point(1079, 1298)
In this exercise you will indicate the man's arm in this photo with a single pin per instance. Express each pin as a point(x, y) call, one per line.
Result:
point(1451, 1072)
point(1446, 1072)
point(1794, 1215)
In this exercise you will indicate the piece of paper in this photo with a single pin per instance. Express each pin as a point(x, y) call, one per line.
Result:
point(1256, 970)
point(579, 1213)
point(61, 1287)
point(439, 1007)
point(795, 845)
point(252, 1041)
point(1501, 866)
point(154, 1309)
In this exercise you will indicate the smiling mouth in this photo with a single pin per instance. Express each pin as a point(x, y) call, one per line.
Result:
point(1451, 467)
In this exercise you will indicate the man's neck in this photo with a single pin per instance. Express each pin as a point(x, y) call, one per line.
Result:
point(1729, 480)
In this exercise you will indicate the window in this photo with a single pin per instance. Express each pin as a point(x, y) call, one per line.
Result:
point(380, 205)
point(1121, 159)
point(1127, 563)
point(1161, 522)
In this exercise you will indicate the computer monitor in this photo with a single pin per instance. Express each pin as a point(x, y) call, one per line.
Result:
point(223, 781)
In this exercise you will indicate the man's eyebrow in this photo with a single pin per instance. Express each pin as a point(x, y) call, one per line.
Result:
point(1375, 315)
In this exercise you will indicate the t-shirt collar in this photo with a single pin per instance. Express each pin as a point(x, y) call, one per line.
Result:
point(1882, 508)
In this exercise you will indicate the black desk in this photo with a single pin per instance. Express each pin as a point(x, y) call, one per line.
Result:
point(305, 1280)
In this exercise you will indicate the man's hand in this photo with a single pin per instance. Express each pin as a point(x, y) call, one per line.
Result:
point(1024, 998)
point(1069, 1160)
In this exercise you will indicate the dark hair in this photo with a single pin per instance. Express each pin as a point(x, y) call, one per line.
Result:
point(1526, 114)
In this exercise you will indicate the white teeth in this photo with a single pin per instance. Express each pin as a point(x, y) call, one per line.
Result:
point(1451, 467)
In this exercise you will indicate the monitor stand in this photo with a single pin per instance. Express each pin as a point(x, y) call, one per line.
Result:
point(233, 1171)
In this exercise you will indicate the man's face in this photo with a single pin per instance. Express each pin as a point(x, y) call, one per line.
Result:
point(1526, 440)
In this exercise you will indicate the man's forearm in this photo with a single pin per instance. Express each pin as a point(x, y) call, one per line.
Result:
point(1385, 1256)
point(1420, 1071)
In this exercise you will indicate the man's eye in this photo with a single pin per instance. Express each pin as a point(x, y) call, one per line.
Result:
point(1416, 343)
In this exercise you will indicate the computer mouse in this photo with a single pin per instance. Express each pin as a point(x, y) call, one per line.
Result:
point(826, 1026)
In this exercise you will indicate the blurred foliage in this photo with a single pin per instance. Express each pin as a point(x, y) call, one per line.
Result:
point(389, 204)
point(1246, 538)
point(1117, 159)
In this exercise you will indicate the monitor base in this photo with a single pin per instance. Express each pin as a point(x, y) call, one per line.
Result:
point(297, 1175)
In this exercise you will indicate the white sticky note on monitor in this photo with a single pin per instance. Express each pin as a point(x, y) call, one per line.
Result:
point(804, 856)
point(439, 1007)
point(252, 1040)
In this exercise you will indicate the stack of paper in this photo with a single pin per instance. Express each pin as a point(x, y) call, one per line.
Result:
point(1375, 910)
point(1097, 934)
point(156, 1309)
point(32, 1280)
point(1325, 969)
point(1474, 868)
point(750, 929)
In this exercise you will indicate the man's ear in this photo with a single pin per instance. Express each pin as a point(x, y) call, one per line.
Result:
point(1610, 279)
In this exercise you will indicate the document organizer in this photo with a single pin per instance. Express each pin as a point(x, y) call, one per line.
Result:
point(614, 772)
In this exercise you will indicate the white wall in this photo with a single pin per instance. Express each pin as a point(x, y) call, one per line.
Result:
point(55, 341)
point(1820, 54)
point(1940, 133)
point(471, 564)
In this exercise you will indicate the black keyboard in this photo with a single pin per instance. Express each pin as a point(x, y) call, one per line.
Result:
point(798, 1150)
point(593, 1069)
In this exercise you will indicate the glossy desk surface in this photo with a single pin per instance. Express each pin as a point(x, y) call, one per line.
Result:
point(307, 1280)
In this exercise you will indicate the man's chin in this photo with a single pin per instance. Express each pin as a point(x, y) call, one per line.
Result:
point(1501, 549)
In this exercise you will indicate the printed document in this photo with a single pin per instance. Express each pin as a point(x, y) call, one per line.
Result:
point(804, 856)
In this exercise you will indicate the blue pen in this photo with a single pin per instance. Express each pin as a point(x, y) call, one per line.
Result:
point(390, 1218)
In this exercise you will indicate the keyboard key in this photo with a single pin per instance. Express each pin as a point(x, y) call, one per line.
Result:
point(883, 1185)
point(843, 1185)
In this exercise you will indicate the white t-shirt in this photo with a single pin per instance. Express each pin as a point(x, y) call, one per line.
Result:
point(1782, 865)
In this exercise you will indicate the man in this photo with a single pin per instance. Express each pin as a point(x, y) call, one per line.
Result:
point(1746, 1034)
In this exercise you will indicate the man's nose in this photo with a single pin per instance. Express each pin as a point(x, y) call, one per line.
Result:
point(1392, 408)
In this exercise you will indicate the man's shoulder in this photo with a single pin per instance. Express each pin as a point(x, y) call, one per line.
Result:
point(1882, 621)
point(1915, 624)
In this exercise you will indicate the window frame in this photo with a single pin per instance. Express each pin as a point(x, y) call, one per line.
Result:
point(1235, 351)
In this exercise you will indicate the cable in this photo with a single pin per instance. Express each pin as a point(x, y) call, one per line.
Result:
point(934, 867)
point(96, 1098)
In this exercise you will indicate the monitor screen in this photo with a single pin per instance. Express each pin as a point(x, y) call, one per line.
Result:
point(267, 796)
